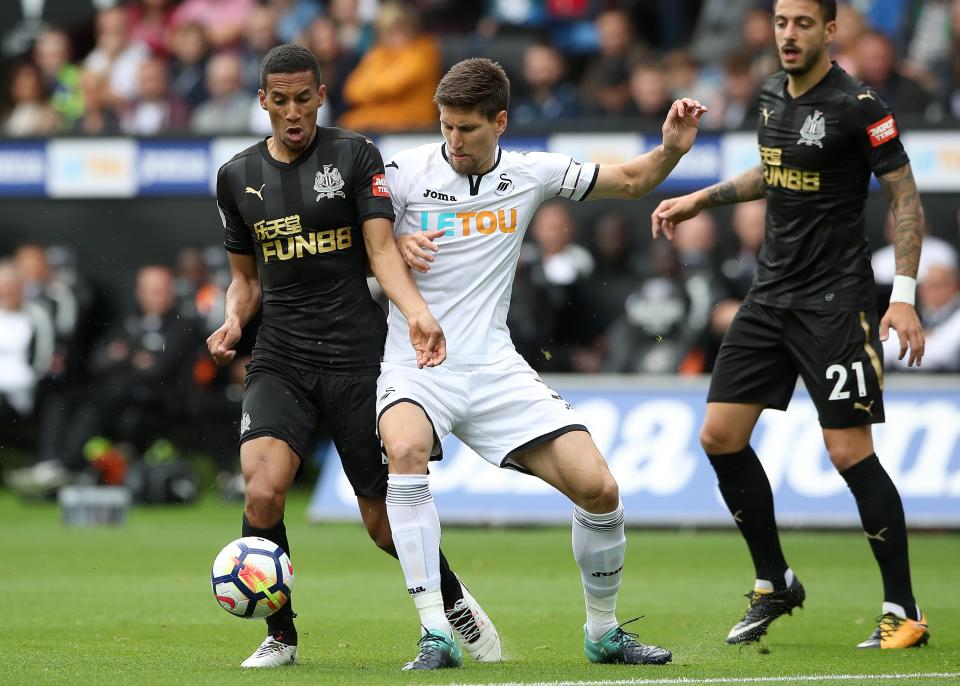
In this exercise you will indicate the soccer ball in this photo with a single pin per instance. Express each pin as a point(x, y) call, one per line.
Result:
point(252, 577)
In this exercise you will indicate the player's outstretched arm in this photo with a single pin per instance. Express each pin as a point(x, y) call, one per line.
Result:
point(243, 299)
point(748, 186)
point(395, 279)
point(901, 190)
point(642, 174)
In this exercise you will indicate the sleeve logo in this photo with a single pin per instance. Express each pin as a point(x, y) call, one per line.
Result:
point(882, 131)
point(379, 186)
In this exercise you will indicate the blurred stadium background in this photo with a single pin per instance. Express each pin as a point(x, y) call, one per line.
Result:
point(115, 116)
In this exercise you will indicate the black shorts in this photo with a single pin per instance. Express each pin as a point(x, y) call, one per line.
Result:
point(838, 354)
point(290, 403)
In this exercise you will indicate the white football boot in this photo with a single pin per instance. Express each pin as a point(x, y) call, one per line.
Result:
point(473, 627)
point(271, 653)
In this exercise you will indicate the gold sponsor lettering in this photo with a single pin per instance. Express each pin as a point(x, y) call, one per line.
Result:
point(268, 229)
point(502, 220)
point(486, 222)
point(791, 179)
point(465, 217)
point(771, 156)
point(310, 243)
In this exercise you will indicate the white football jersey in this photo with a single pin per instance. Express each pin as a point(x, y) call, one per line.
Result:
point(485, 217)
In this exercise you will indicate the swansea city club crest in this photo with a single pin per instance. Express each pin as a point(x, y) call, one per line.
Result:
point(328, 183)
point(813, 130)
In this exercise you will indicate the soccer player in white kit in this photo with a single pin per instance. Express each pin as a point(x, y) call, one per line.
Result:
point(462, 208)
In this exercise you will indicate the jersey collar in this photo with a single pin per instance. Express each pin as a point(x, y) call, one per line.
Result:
point(307, 152)
point(474, 180)
point(827, 79)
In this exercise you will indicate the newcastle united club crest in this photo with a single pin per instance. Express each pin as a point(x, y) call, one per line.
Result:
point(813, 130)
point(328, 183)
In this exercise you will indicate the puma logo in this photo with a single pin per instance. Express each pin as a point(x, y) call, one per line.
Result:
point(877, 536)
point(866, 96)
point(258, 193)
point(868, 408)
point(766, 115)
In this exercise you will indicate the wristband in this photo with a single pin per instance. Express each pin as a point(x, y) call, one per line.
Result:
point(904, 290)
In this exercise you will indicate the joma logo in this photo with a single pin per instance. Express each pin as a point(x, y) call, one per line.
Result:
point(434, 195)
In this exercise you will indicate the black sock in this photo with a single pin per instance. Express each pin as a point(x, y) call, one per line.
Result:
point(449, 584)
point(746, 491)
point(280, 623)
point(881, 513)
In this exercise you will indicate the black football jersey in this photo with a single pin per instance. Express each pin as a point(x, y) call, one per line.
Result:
point(302, 223)
point(817, 153)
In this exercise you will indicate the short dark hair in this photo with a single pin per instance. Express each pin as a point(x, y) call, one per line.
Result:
point(289, 59)
point(475, 83)
point(827, 7)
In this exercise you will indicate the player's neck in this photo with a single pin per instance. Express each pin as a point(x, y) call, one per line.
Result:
point(282, 153)
point(798, 84)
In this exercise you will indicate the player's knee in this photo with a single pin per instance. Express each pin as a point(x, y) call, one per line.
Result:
point(407, 456)
point(719, 440)
point(599, 494)
point(844, 456)
point(264, 503)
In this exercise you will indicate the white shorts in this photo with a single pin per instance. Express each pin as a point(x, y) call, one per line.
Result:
point(498, 411)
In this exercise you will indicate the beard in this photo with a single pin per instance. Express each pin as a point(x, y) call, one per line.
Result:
point(805, 65)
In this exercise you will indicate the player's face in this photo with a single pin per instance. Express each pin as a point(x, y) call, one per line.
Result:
point(471, 138)
point(292, 101)
point(802, 35)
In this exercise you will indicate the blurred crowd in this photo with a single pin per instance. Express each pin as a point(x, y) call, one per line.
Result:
point(76, 379)
point(148, 67)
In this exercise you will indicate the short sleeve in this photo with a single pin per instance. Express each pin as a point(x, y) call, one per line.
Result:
point(398, 197)
point(874, 127)
point(563, 176)
point(236, 235)
point(371, 193)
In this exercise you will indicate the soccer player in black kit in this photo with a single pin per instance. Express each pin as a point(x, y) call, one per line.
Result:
point(304, 211)
point(810, 311)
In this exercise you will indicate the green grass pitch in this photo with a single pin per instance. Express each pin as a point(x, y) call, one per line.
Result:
point(133, 605)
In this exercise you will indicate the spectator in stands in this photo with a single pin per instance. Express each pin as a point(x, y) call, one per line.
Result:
point(26, 347)
point(61, 78)
point(650, 91)
point(155, 110)
point(749, 224)
point(98, 117)
point(850, 27)
point(30, 113)
point(336, 62)
point(189, 64)
point(618, 49)
point(544, 94)
point(198, 295)
point(150, 22)
point(685, 80)
point(718, 29)
point(554, 230)
point(222, 20)
point(875, 67)
point(740, 101)
point(354, 31)
point(609, 92)
point(228, 109)
point(258, 37)
point(292, 16)
point(116, 57)
point(392, 87)
point(759, 43)
point(938, 299)
point(137, 371)
point(532, 317)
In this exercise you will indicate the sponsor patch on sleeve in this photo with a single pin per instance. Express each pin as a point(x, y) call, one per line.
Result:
point(380, 188)
point(882, 131)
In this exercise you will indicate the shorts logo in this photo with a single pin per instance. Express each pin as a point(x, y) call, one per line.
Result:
point(505, 187)
point(813, 130)
point(387, 392)
point(328, 183)
point(868, 408)
point(245, 423)
point(882, 131)
point(380, 188)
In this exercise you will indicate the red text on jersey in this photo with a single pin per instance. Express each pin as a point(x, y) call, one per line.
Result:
point(882, 131)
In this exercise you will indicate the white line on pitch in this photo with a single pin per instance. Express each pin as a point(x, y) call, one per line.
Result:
point(728, 680)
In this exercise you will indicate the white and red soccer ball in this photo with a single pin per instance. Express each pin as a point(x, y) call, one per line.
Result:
point(252, 577)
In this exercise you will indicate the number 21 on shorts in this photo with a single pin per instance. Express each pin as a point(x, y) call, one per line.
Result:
point(839, 372)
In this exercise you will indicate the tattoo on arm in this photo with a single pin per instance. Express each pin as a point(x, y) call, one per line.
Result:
point(748, 186)
point(901, 191)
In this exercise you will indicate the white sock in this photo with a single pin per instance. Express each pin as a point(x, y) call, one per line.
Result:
point(416, 534)
point(598, 547)
point(766, 586)
point(894, 608)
